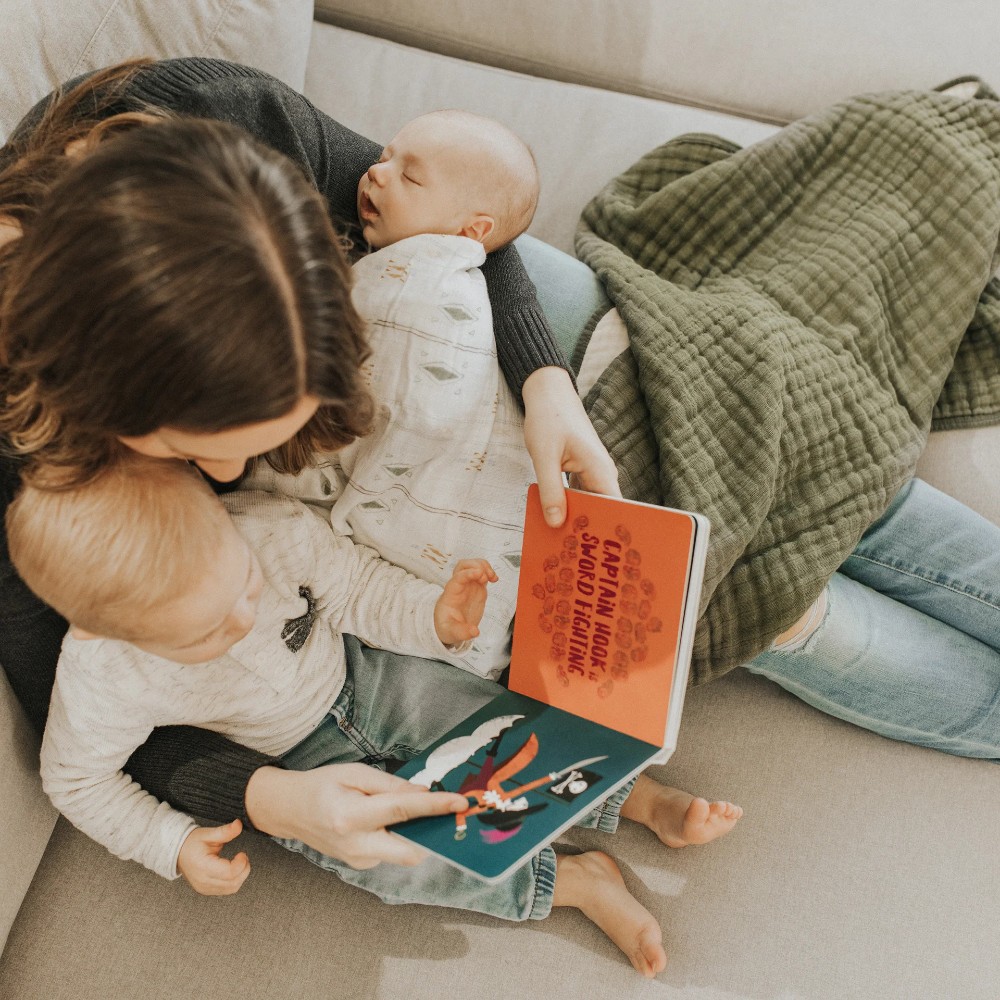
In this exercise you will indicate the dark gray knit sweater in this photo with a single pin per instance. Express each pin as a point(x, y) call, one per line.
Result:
point(195, 770)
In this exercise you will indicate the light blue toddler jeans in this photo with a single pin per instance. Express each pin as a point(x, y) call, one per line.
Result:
point(908, 644)
point(391, 708)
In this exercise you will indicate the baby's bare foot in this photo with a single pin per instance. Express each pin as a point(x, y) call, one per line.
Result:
point(677, 817)
point(592, 883)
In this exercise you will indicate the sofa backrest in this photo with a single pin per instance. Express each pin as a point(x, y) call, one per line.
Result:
point(774, 60)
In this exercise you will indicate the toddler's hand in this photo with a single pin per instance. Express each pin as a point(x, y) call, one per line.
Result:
point(200, 860)
point(459, 609)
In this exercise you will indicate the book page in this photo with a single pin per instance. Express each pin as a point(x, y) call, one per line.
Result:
point(528, 770)
point(600, 606)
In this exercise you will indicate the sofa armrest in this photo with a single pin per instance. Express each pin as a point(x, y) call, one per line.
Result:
point(26, 815)
point(45, 44)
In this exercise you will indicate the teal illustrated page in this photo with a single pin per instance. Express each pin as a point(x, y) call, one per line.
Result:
point(528, 770)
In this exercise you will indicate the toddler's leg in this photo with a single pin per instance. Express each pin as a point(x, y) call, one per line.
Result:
point(592, 883)
point(678, 818)
point(524, 895)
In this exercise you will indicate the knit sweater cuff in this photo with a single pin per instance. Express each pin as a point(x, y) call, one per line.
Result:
point(198, 772)
point(528, 347)
point(232, 769)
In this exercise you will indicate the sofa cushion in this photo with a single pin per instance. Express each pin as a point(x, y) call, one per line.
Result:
point(44, 44)
point(862, 869)
point(575, 132)
point(770, 59)
point(26, 817)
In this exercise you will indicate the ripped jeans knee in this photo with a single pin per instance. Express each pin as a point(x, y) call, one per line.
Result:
point(803, 630)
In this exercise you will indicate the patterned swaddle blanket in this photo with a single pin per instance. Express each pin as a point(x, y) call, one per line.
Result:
point(444, 474)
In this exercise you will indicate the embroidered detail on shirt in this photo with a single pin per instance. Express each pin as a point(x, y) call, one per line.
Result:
point(297, 630)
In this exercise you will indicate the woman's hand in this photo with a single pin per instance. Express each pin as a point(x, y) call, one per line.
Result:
point(560, 438)
point(343, 810)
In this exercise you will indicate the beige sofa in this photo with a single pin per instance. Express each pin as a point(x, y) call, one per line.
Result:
point(862, 869)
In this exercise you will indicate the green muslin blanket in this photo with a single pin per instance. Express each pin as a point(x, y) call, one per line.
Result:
point(799, 313)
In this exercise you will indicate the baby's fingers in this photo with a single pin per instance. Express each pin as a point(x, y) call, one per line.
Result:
point(474, 570)
point(223, 877)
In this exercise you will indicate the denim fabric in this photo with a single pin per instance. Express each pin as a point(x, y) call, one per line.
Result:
point(391, 708)
point(568, 291)
point(909, 646)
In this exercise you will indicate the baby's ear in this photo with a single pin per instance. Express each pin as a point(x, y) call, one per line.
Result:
point(478, 228)
point(81, 633)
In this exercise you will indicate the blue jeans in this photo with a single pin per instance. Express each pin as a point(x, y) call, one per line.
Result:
point(909, 640)
point(909, 645)
point(391, 708)
point(568, 291)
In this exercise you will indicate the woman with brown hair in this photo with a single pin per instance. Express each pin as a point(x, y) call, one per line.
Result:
point(173, 281)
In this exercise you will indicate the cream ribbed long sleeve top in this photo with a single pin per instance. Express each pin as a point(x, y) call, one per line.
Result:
point(109, 695)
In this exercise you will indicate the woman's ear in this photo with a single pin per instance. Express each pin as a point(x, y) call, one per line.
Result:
point(478, 228)
point(81, 633)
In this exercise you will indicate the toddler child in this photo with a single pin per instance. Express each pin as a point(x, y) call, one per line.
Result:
point(182, 615)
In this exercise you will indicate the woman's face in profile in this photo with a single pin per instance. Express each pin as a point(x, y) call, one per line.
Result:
point(223, 455)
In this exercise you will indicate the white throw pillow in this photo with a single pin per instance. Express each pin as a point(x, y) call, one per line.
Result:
point(43, 44)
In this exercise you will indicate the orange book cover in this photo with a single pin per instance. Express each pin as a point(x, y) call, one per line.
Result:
point(606, 612)
point(600, 607)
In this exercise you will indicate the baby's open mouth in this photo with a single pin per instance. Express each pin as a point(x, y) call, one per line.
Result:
point(366, 208)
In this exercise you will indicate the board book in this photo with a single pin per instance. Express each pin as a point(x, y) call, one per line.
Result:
point(607, 606)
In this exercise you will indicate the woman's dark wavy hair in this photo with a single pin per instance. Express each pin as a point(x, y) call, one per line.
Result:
point(171, 272)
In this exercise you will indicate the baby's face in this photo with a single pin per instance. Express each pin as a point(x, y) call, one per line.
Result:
point(216, 611)
point(421, 185)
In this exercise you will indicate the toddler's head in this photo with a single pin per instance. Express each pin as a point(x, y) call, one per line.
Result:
point(144, 553)
point(450, 172)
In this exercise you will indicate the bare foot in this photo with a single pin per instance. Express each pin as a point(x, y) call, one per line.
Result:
point(676, 817)
point(592, 883)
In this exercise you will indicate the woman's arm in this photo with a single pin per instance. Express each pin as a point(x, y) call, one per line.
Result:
point(334, 158)
point(525, 342)
point(560, 438)
point(194, 770)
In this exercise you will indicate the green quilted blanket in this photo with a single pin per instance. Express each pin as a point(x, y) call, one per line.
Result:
point(799, 311)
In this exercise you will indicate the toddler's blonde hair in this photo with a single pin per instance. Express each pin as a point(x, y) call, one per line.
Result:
point(107, 554)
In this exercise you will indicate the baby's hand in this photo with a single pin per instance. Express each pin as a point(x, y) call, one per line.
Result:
point(459, 609)
point(200, 860)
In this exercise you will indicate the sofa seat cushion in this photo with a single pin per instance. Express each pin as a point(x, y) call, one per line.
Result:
point(863, 868)
point(26, 816)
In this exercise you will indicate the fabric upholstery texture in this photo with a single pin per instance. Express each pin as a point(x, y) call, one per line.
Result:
point(778, 298)
point(26, 817)
point(575, 132)
point(771, 59)
point(44, 44)
point(860, 870)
